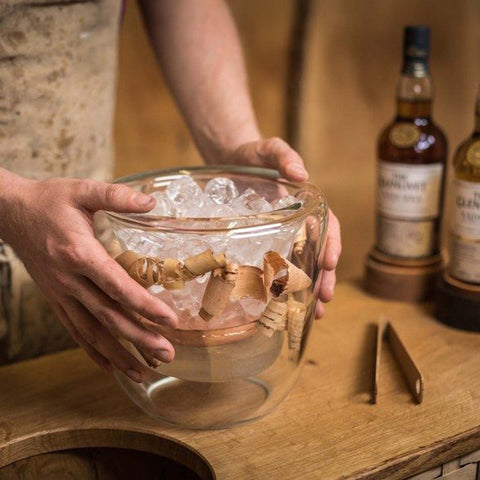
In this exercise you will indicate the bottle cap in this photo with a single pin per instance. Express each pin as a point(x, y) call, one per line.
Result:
point(416, 46)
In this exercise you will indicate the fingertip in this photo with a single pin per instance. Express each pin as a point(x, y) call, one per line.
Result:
point(319, 310)
point(143, 201)
point(296, 172)
point(165, 354)
point(331, 261)
point(172, 318)
point(327, 293)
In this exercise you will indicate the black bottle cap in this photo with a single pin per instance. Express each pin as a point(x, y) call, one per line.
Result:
point(416, 46)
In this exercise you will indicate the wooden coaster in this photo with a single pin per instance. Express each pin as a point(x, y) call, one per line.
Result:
point(404, 280)
point(405, 262)
point(458, 304)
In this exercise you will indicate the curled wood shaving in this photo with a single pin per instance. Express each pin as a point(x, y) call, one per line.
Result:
point(146, 271)
point(273, 318)
point(300, 240)
point(172, 277)
point(249, 283)
point(202, 263)
point(170, 273)
point(218, 290)
point(281, 276)
point(295, 322)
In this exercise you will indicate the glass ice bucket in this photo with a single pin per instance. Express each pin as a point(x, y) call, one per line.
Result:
point(241, 283)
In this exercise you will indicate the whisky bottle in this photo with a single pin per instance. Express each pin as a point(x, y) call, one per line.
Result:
point(412, 153)
point(465, 219)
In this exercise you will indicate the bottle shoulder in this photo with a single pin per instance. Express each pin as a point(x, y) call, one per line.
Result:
point(416, 141)
point(466, 161)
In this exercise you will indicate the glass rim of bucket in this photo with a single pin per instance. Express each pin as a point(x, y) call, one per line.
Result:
point(312, 199)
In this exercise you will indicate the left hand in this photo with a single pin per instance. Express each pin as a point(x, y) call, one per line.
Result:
point(276, 153)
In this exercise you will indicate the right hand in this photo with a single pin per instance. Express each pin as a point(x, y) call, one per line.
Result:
point(50, 226)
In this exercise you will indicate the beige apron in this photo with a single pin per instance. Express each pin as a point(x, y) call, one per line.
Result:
point(57, 87)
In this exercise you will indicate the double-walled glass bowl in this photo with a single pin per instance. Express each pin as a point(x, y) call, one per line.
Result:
point(239, 351)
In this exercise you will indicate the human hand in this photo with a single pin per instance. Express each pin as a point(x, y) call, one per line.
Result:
point(50, 226)
point(276, 153)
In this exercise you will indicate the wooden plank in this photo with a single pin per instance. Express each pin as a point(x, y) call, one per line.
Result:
point(468, 472)
point(325, 429)
point(451, 466)
point(470, 458)
point(428, 475)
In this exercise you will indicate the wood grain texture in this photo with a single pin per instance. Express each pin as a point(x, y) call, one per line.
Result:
point(325, 429)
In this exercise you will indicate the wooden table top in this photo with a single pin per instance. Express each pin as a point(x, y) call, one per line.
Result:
point(326, 428)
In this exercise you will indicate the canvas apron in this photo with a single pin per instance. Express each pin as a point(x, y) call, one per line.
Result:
point(57, 86)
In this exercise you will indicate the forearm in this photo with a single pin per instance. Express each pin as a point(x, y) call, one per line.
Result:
point(197, 45)
point(11, 187)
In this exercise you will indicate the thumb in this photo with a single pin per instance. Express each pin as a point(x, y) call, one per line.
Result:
point(113, 197)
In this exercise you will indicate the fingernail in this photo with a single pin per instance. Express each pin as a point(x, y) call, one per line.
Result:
point(163, 355)
point(171, 320)
point(154, 363)
point(297, 170)
point(134, 375)
point(142, 199)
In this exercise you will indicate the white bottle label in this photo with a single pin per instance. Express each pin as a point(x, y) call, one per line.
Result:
point(465, 232)
point(466, 209)
point(405, 238)
point(464, 259)
point(408, 204)
point(409, 191)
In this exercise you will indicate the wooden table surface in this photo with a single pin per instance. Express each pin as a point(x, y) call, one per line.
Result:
point(325, 429)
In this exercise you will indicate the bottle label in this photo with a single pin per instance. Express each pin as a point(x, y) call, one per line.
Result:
point(404, 135)
point(464, 259)
point(409, 191)
point(466, 209)
point(405, 238)
point(408, 204)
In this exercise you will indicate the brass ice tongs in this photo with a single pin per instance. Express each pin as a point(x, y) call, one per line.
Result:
point(411, 373)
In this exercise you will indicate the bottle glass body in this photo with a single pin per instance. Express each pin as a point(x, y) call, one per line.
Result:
point(464, 231)
point(412, 153)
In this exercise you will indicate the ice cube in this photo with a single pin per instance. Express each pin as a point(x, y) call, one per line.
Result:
point(222, 211)
point(252, 307)
point(259, 205)
point(149, 244)
point(181, 246)
point(187, 301)
point(250, 202)
point(163, 206)
point(221, 190)
point(185, 195)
